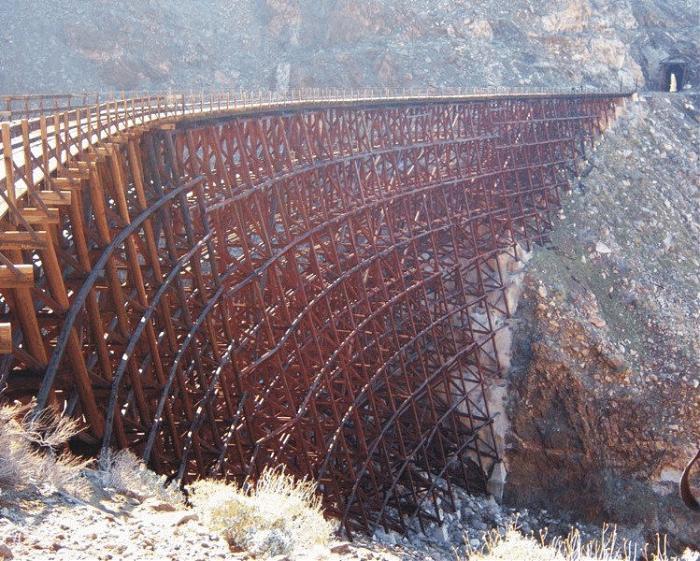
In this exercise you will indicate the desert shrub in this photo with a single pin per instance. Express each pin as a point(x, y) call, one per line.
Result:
point(279, 515)
point(126, 474)
point(512, 545)
point(30, 452)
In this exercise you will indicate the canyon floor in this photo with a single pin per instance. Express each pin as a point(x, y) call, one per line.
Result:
point(102, 524)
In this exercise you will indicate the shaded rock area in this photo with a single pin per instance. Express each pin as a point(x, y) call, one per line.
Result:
point(472, 521)
point(604, 402)
point(159, 44)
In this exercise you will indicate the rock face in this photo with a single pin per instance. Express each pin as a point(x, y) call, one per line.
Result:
point(603, 399)
point(157, 44)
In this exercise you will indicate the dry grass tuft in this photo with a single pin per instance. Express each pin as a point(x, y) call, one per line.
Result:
point(126, 474)
point(30, 457)
point(514, 546)
point(280, 515)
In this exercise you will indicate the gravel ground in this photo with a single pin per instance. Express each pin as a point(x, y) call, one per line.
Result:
point(105, 525)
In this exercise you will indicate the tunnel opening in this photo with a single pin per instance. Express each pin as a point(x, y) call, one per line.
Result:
point(674, 75)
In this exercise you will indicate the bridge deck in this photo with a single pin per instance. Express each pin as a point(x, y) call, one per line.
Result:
point(50, 140)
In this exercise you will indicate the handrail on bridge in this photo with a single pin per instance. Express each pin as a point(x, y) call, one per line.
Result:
point(38, 138)
point(27, 106)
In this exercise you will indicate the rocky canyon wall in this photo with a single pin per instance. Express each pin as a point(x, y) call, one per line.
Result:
point(159, 44)
point(603, 392)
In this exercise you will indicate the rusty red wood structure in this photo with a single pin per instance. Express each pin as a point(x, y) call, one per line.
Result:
point(223, 286)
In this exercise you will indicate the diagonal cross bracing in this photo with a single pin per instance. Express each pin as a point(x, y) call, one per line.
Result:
point(314, 286)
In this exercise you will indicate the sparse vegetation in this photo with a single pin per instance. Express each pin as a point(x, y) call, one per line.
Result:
point(126, 474)
point(515, 546)
point(30, 452)
point(279, 515)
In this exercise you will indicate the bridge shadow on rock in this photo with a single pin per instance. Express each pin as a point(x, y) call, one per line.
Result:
point(316, 287)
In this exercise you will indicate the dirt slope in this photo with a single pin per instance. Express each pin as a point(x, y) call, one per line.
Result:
point(604, 395)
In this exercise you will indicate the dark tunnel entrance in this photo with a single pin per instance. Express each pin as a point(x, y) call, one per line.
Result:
point(674, 76)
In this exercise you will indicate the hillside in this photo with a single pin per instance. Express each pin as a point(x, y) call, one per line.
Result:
point(70, 45)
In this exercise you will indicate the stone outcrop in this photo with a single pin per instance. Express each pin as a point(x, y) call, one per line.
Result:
point(603, 393)
point(584, 436)
point(239, 43)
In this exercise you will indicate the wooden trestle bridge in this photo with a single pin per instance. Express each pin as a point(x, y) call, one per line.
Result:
point(224, 282)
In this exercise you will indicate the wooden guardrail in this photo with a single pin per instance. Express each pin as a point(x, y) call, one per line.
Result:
point(14, 107)
point(44, 140)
